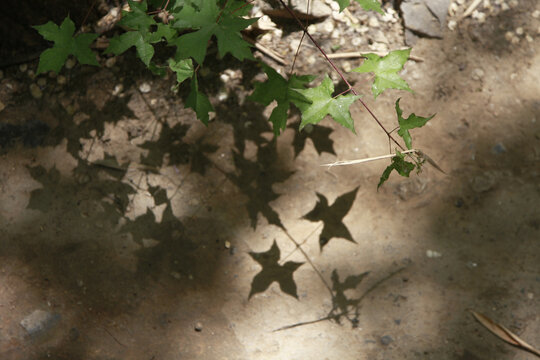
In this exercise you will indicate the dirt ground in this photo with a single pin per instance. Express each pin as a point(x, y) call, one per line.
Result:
point(129, 230)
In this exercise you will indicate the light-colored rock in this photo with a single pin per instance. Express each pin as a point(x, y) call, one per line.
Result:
point(39, 321)
point(145, 88)
point(70, 63)
point(477, 74)
point(35, 91)
point(483, 183)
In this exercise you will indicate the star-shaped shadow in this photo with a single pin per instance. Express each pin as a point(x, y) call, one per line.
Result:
point(341, 304)
point(169, 142)
point(332, 217)
point(319, 135)
point(272, 271)
point(256, 178)
point(199, 160)
point(114, 110)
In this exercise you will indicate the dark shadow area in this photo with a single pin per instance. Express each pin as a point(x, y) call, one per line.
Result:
point(20, 42)
point(332, 217)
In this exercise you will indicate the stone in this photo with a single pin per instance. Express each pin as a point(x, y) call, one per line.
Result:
point(35, 91)
point(386, 340)
point(318, 9)
point(425, 18)
point(39, 321)
point(198, 326)
point(145, 88)
point(483, 183)
point(499, 148)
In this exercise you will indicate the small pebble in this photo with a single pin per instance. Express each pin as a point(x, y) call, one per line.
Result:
point(31, 74)
point(328, 27)
point(227, 245)
point(386, 340)
point(356, 41)
point(452, 9)
point(504, 6)
point(42, 82)
point(452, 24)
point(145, 88)
point(477, 74)
point(536, 14)
point(373, 22)
point(483, 183)
point(519, 31)
point(117, 89)
point(513, 3)
point(433, 254)
point(35, 91)
point(222, 95)
point(110, 62)
point(198, 327)
point(472, 265)
point(176, 275)
point(61, 80)
point(530, 296)
point(23, 67)
point(499, 149)
point(70, 63)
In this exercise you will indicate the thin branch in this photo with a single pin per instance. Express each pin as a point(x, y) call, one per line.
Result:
point(358, 54)
point(340, 73)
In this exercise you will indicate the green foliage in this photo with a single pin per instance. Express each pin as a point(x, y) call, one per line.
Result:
point(398, 164)
point(141, 37)
point(204, 17)
point(365, 4)
point(65, 44)
point(322, 104)
point(276, 88)
point(385, 70)
point(199, 102)
point(182, 68)
point(409, 123)
point(190, 25)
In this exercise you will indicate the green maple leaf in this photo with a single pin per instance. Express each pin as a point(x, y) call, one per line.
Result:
point(283, 92)
point(136, 18)
point(199, 102)
point(182, 68)
point(409, 123)
point(385, 70)
point(204, 18)
point(322, 104)
point(65, 44)
point(366, 5)
point(141, 37)
point(399, 164)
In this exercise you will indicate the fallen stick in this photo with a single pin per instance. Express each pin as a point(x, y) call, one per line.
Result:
point(359, 161)
point(470, 9)
point(266, 51)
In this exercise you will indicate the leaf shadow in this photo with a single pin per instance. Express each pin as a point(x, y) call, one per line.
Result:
point(332, 217)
